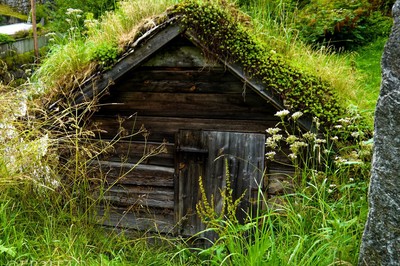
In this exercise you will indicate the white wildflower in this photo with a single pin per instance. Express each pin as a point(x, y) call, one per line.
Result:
point(296, 115)
point(330, 191)
point(309, 136)
point(338, 126)
point(277, 137)
point(291, 139)
point(71, 11)
point(273, 130)
point(51, 34)
point(270, 155)
point(335, 138)
point(354, 155)
point(271, 143)
point(344, 121)
point(355, 134)
point(339, 160)
point(295, 147)
point(351, 179)
point(282, 113)
point(319, 141)
point(292, 156)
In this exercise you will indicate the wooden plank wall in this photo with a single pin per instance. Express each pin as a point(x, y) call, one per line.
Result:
point(176, 89)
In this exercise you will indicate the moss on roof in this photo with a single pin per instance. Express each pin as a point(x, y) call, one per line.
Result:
point(224, 35)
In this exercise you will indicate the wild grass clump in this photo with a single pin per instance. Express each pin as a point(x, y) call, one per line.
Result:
point(320, 222)
point(275, 23)
point(48, 198)
point(73, 60)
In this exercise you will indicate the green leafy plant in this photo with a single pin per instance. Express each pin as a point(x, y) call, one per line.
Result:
point(4, 38)
point(341, 24)
point(106, 54)
point(207, 211)
point(345, 148)
point(58, 9)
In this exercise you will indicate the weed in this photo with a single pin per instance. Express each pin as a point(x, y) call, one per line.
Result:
point(320, 223)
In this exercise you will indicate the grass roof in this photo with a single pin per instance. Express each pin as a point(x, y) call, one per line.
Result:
point(226, 31)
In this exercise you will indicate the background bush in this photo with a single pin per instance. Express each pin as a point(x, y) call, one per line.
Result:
point(57, 9)
point(342, 24)
point(4, 38)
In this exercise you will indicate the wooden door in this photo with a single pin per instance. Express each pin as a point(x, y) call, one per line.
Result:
point(206, 154)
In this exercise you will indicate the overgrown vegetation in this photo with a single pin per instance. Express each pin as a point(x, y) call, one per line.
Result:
point(54, 11)
point(47, 212)
point(4, 38)
point(341, 24)
point(7, 11)
point(47, 204)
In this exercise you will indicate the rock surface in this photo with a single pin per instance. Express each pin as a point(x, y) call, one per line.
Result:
point(23, 6)
point(381, 240)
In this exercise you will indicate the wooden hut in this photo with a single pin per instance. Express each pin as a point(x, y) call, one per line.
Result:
point(198, 115)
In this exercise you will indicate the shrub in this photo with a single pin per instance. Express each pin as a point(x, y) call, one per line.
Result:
point(4, 38)
point(342, 24)
point(106, 54)
point(59, 8)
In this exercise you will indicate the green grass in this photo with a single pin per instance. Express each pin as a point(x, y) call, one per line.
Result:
point(70, 60)
point(355, 76)
point(320, 224)
point(367, 62)
point(43, 233)
point(8, 11)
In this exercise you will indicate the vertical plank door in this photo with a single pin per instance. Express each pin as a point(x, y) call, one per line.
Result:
point(209, 154)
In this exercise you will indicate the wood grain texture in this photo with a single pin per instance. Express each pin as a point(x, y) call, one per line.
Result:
point(233, 155)
point(117, 173)
point(164, 128)
point(149, 153)
point(136, 218)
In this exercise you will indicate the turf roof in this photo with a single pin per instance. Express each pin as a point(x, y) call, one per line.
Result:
point(223, 31)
